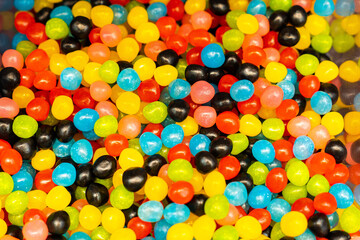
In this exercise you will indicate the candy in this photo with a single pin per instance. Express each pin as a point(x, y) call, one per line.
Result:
point(180, 120)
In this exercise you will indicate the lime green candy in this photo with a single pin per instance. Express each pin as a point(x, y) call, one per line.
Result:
point(343, 42)
point(74, 217)
point(155, 112)
point(284, 5)
point(232, 16)
point(7, 183)
point(56, 29)
point(17, 219)
point(226, 232)
point(80, 192)
point(24, 126)
point(17, 202)
point(217, 206)
point(181, 66)
point(276, 232)
point(291, 193)
point(233, 39)
point(109, 71)
point(100, 233)
point(322, 43)
point(135, 144)
point(258, 171)
point(105, 126)
point(107, 182)
point(298, 173)
point(306, 64)
point(25, 48)
point(180, 170)
point(240, 143)
point(318, 184)
point(121, 198)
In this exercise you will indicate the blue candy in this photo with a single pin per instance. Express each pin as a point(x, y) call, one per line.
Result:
point(259, 197)
point(70, 78)
point(150, 143)
point(23, 181)
point(236, 193)
point(179, 89)
point(172, 135)
point(176, 213)
point(303, 147)
point(288, 89)
point(343, 195)
point(321, 102)
point(23, 5)
point(242, 90)
point(151, 211)
point(62, 12)
point(156, 10)
point(81, 151)
point(198, 143)
point(263, 151)
point(85, 119)
point(213, 56)
point(128, 79)
point(278, 208)
point(256, 7)
point(120, 14)
point(64, 175)
point(160, 229)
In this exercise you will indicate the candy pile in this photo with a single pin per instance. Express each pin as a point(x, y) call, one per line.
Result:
point(180, 120)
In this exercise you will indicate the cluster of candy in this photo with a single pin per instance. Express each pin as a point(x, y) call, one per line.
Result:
point(180, 120)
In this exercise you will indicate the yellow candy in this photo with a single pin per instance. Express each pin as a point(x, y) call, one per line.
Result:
point(204, 227)
point(248, 227)
point(189, 126)
point(112, 219)
point(193, 6)
point(250, 125)
point(305, 38)
point(156, 189)
point(350, 71)
point(327, 71)
point(91, 72)
point(315, 24)
point(77, 59)
point(82, 8)
point(145, 68)
point(40, 4)
point(147, 32)
point(123, 233)
point(266, 113)
point(62, 107)
point(137, 16)
point(351, 24)
point(128, 103)
point(101, 15)
point(90, 217)
point(352, 123)
point(334, 123)
point(50, 46)
point(197, 181)
point(180, 231)
point(37, 199)
point(247, 23)
point(314, 118)
point(129, 158)
point(3, 228)
point(43, 159)
point(128, 49)
point(275, 72)
point(58, 63)
point(58, 198)
point(117, 178)
point(165, 74)
point(293, 224)
point(214, 184)
point(22, 96)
